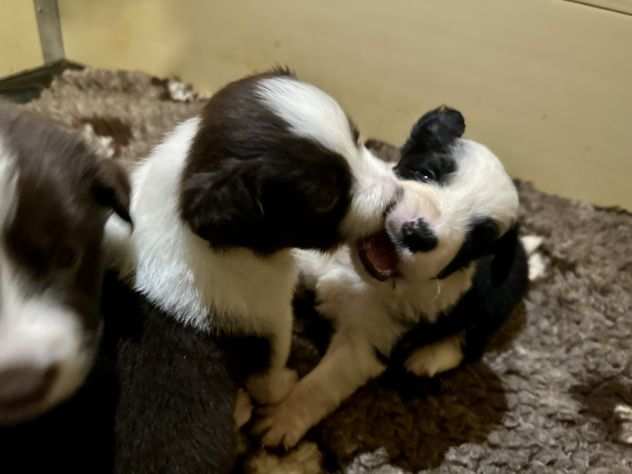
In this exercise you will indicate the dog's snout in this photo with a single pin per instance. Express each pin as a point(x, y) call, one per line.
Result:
point(417, 236)
point(24, 382)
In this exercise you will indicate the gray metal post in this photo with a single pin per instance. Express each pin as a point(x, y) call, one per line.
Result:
point(49, 27)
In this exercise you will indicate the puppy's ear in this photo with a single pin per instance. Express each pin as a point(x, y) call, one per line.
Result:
point(111, 188)
point(479, 241)
point(504, 253)
point(435, 130)
point(483, 240)
point(221, 206)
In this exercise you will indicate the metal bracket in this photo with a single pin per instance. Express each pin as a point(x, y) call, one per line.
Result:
point(49, 27)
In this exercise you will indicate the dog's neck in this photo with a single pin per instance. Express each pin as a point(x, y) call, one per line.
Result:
point(417, 299)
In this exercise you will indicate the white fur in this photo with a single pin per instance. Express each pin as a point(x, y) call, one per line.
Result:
point(35, 331)
point(310, 113)
point(532, 243)
point(369, 315)
point(537, 265)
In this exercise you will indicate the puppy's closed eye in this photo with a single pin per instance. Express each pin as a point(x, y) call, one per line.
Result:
point(326, 204)
point(66, 257)
point(424, 175)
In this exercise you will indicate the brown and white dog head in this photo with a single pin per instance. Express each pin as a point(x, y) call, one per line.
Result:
point(55, 197)
point(277, 163)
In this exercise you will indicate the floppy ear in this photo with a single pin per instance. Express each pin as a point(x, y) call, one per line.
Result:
point(435, 130)
point(111, 188)
point(479, 241)
point(504, 255)
point(221, 206)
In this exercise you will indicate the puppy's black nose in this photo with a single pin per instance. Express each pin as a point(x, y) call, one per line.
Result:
point(23, 383)
point(417, 236)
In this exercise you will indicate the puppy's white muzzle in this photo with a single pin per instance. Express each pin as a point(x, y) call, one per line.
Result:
point(44, 357)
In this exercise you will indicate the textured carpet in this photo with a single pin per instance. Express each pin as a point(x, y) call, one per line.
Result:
point(554, 394)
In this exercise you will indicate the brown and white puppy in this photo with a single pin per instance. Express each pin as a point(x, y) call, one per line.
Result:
point(271, 163)
point(444, 275)
point(55, 197)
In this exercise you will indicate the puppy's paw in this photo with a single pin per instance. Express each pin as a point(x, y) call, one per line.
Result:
point(273, 386)
point(439, 357)
point(623, 414)
point(243, 408)
point(283, 424)
point(331, 295)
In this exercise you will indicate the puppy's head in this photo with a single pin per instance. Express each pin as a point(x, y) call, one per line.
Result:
point(459, 203)
point(277, 163)
point(54, 199)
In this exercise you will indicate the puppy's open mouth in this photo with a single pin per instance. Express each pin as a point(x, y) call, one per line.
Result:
point(378, 255)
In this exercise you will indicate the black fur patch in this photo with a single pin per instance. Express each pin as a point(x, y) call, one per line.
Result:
point(250, 182)
point(417, 236)
point(426, 154)
point(479, 241)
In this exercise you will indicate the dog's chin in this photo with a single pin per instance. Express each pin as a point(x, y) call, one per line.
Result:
point(376, 258)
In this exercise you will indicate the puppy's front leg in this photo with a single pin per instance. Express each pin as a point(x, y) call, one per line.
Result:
point(349, 363)
point(274, 384)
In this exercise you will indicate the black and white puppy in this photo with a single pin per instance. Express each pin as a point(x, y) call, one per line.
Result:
point(271, 163)
point(55, 197)
point(444, 276)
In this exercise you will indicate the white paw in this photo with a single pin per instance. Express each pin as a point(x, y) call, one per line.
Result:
point(243, 408)
point(283, 424)
point(439, 357)
point(332, 294)
point(532, 243)
point(273, 386)
point(623, 413)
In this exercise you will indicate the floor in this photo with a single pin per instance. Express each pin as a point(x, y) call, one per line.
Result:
point(545, 83)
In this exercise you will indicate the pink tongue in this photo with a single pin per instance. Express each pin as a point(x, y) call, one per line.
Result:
point(380, 253)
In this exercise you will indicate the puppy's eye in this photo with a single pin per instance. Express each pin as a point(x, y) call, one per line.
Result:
point(425, 175)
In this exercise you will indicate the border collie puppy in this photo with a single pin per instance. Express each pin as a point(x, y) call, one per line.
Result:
point(271, 163)
point(55, 197)
point(443, 277)
point(54, 200)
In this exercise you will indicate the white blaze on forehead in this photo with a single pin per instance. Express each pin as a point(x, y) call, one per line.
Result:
point(310, 113)
point(314, 115)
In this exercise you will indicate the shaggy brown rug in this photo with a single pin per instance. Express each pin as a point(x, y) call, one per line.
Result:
point(554, 394)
